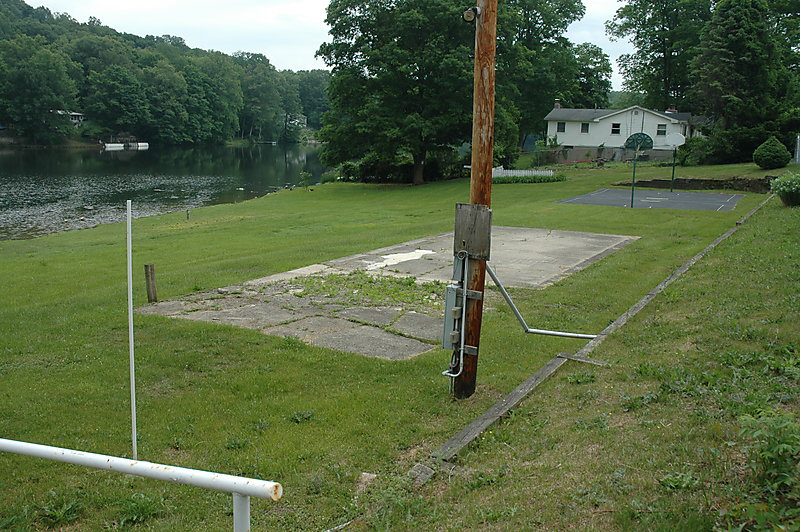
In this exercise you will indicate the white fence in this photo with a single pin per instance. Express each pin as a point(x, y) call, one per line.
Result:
point(502, 172)
point(242, 488)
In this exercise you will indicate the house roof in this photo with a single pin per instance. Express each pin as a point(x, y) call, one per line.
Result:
point(595, 115)
point(578, 115)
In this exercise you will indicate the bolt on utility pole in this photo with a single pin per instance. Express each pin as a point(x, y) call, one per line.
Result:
point(481, 178)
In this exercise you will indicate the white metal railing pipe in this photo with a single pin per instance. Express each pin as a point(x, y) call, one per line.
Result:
point(242, 488)
point(521, 319)
point(561, 334)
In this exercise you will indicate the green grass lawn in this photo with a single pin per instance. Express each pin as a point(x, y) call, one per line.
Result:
point(653, 170)
point(693, 427)
point(234, 401)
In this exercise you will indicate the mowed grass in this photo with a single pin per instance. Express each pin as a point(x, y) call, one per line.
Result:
point(654, 170)
point(235, 401)
point(693, 426)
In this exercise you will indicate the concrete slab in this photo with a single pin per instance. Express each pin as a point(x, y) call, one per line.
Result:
point(522, 257)
point(311, 327)
point(658, 199)
point(373, 342)
point(251, 316)
point(420, 326)
point(371, 315)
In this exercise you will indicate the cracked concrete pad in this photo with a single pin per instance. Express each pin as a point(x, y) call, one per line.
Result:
point(420, 326)
point(373, 342)
point(308, 329)
point(251, 316)
point(522, 257)
point(537, 257)
point(372, 315)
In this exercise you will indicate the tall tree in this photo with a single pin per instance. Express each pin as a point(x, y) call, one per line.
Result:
point(535, 63)
point(666, 35)
point(292, 118)
point(594, 77)
point(117, 101)
point(401, 80)
point(216, 80)
point(312, 86)
point(261, 110)
point(166, 93)
point(785, 17)
point(740, 79)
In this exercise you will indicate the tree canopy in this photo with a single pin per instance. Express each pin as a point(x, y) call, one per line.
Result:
point(150, 87)
point(401, 81)
point(735, 61)
point(35, 85)
point(666, 35)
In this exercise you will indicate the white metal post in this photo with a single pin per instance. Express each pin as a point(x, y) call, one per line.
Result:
point(241, 513)
point(130, 336)
point(242, 488)
point(797, 151)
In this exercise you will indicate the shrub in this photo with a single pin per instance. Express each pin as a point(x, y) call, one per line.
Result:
point(504, 180)
point(787, 187)
point(694, 152)
point(786, 183)
point(349, 170)
point(771, 154)
point(734, 145)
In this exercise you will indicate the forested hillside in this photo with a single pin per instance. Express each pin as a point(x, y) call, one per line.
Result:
point(153, 88)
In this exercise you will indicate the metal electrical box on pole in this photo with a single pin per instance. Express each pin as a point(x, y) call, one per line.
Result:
point(474, 271)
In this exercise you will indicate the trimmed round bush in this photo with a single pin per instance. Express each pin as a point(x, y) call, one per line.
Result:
point(771, 154)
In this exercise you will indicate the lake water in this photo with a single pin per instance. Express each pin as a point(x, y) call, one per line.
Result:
point(45, 191)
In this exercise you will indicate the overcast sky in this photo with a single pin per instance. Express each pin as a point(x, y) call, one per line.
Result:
point(287, 32)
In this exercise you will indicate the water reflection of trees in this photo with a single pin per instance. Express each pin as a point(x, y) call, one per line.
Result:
point(260, 165)
point(43, 191)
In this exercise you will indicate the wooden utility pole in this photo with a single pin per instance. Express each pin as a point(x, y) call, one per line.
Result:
point(481, 178)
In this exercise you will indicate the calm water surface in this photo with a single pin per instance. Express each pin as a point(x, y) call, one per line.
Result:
point(45, 191)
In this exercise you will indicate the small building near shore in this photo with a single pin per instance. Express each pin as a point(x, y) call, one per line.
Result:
point(76, 119)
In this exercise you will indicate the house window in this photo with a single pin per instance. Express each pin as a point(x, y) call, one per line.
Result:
point(585, 127)
point(661, 130)
point(561, 127)
point(616, 129)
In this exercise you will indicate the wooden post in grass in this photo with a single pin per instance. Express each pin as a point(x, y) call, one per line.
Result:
point(480, 179)
point(150, 279)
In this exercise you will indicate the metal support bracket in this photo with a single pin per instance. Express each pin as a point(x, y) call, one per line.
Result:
point(471, 294)
point(521, 320)
point(470, 350)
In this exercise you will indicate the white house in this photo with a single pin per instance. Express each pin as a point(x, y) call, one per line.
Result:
point(589, 129)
